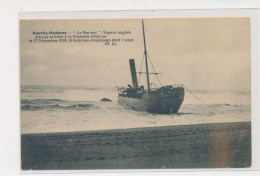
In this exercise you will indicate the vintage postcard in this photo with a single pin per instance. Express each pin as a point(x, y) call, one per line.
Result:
point(151, 93)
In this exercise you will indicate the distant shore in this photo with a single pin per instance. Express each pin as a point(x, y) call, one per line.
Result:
point(218, 145)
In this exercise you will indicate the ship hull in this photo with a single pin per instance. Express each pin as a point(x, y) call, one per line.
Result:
point(155, 102)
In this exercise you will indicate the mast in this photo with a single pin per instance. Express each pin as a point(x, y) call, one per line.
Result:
point(145, 55)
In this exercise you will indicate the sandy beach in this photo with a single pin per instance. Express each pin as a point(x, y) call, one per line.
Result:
point(220, 145)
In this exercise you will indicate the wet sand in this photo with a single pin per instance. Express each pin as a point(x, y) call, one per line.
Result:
point(218, 145)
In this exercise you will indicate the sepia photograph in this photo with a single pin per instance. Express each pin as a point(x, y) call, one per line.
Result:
point(143, 93)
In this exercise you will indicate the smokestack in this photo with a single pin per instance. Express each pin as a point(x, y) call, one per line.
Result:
point(133, 73)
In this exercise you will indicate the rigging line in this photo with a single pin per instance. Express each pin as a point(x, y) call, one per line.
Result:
point(140, 69)
point(154, 69)
point(213, 107)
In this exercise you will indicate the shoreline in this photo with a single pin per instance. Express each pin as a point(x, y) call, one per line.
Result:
point(131, 129)
point(211, 145)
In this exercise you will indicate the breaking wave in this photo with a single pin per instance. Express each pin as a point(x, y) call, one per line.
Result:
point(54, 104)
point(27, 101)
point(218, 105)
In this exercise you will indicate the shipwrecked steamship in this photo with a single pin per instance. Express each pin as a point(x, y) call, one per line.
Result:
point(164, 100)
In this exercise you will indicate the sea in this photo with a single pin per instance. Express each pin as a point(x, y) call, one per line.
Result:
point(49, 109)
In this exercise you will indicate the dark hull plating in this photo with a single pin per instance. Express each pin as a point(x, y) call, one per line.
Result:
point(155, 101)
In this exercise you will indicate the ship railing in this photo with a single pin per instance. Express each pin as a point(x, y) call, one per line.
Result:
point(177, 85)
point(170, 86)
point(121, 89)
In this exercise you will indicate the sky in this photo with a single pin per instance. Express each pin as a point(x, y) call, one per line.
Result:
point(202, 53)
